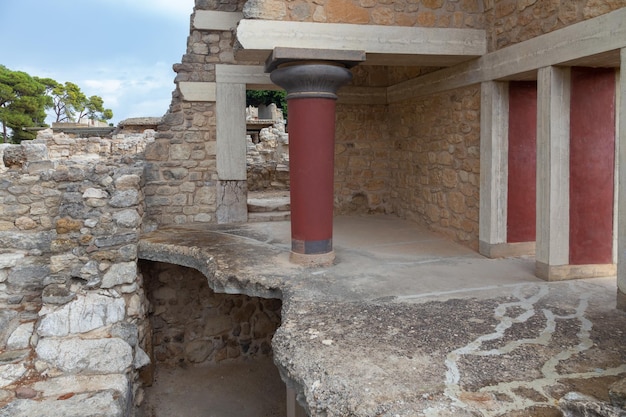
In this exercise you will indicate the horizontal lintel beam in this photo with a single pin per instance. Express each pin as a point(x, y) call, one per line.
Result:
point(572, 44)
point(259, 37)
point(214, 20)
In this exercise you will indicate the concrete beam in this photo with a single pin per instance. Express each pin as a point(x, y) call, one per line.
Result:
point(494, 151)
point(253, 76)
point(573, 44)
point(197, 91)
point(405, 44)
point(553, 126)
point(214, 20)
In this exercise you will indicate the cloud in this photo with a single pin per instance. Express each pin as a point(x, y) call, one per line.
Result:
point(172, 8)
point(139, 90)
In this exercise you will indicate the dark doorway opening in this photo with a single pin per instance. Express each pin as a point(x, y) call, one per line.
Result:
point(211, 352)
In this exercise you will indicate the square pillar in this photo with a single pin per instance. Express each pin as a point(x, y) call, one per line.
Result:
point(232, 205)
point(553, 126)
point(494, 121)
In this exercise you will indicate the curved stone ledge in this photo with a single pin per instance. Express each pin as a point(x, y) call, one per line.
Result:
point(232, 264)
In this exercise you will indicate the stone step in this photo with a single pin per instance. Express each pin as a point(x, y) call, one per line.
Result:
point(275, 202)
point(270, 216)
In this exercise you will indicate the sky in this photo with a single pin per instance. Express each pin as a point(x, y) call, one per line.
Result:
point(120, 50)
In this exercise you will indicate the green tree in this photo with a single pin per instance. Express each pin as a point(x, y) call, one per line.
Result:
point(71, 104)
point(23, 104)
point(266, 97)
point(66, 97)
point(94, 109)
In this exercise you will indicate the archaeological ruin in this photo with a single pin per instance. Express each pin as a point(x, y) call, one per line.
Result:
point(437, 229)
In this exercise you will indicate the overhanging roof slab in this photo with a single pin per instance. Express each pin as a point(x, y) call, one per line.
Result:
point(384, 45)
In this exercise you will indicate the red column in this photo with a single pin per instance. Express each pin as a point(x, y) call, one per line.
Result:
point(311, 94)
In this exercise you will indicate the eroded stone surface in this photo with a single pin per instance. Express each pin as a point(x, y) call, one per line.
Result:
point(513, 350)
point(95, 356)
point(105, 403)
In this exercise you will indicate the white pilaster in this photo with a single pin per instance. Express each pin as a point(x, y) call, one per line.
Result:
point(621, 178)
point(553, 132)
point(231, 131)
point(494, 144)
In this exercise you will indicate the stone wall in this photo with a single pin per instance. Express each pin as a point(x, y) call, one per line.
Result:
point(267, 160)
point(72, 318)
point(424, 13)
point(435, 163)
point(181, 179)
point(513, 21)
point(362, 160)
point(194, 325)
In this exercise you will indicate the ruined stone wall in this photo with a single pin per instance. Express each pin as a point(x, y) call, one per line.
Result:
point(424, 13)
point(362, 159)
point(513, 21)
point(181, 180)
point(72, 319)
point(267, 160)
point(194, 325)
point(435, 163)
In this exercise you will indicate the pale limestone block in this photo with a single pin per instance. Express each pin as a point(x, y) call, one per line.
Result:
point(86, 356)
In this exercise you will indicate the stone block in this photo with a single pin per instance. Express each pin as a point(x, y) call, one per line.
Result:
point(82, 315)
point(20, 338)
point(122, 273)
point(28, 276)
point(90, 356)
point(125, 198)
point(127, 218)
point(104, 403)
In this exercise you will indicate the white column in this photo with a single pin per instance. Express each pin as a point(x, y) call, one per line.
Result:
point(231, 131)
point(230, 116)
point(494, 151)
point(553, 132)
point(621, 178)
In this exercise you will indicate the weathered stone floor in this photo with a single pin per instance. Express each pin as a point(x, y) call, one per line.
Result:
point(409, 324)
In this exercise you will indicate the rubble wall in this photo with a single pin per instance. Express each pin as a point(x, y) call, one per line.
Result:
point(267, 160)
point(362, 160)
point(72, 305)
point(193, 325)
point(424, 13)
point(435, 162)
point(513, 21)
point(181, 172)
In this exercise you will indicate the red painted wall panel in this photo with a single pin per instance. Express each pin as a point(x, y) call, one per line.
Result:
point(592, 156)
point(521, 208)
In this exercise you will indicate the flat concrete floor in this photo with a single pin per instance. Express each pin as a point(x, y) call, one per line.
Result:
point(251, 388)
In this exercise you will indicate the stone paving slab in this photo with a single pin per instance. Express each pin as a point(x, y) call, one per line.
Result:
point(420, 330)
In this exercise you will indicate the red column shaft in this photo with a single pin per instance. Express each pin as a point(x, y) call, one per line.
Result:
point(311, 165)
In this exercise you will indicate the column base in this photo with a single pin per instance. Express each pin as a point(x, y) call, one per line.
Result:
point(313, 260)
point(566, 272)
point(506, 250)
point(620, 300)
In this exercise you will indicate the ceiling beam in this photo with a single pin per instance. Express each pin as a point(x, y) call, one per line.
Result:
point(397, 45)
